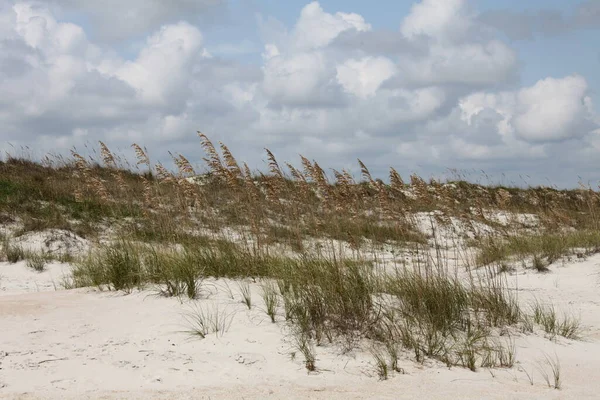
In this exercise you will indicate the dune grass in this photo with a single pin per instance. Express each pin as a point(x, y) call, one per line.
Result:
point(540, 248)
point(313, 240)
point(554, 324)
point(203, 320)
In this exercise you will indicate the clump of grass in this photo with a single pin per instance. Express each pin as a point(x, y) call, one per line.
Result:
point(553, 324)
point(394, 355)
point(124, 265)
point(226, 259)
point(37, 261)
point(326, 298)
point(203, 321)
point(14, 253)
point(4, 241)
point(65, 257)
point(552, 378)
point(246, 294)
point(507, 354)
point(117, 265)
point(437, 316)
point(305, 346)
point(499, 354)
point(527, 323)
point(539, 264)
point(548, 246)
point(176, 272)
point(271, 299)
point(381, 364)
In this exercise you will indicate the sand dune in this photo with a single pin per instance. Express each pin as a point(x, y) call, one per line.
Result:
point(83, 343)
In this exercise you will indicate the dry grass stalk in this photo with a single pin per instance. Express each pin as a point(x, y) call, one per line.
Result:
point(234, 172)
point(142, 156)
point(90, 181)
point(318, 175)
point(213, 161)
point(366, 174)
point(301, 181)
point(110, 162)
point(276, 184)
point(163, 175)
point(396, 180)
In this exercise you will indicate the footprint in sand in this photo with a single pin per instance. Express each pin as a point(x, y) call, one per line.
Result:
point(249, 358)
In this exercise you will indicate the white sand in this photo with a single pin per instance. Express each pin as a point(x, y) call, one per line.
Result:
point(53, 241)
point(80, 344)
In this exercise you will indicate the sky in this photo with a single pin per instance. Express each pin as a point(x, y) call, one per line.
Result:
point(500, 92)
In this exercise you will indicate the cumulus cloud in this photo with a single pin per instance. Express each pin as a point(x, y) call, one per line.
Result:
point(444, 20)
point(59, 86)
point(363, 77)
point(161, 71)
point(316, 28)
point(553, 109)
point(301, 72)
point(298, 79)
point(457, 51)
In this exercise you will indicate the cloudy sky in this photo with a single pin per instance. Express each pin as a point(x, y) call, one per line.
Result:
point(511, 88)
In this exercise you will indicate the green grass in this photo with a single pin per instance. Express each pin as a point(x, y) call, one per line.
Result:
point(203, 320)
point(435, 315)
point(270, 297)
point(246, 294)
point(123, 265)
point(177, 273)
point(555, 324)
point(326, 297)
point(117, 265)
point(381, 364)
point(551, 247)
point(13, 253)
point(306, 347)
point(37, 261)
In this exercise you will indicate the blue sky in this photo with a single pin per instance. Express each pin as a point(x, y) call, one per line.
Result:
point(508, 87)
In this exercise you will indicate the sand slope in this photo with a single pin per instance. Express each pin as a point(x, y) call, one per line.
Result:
point(86, 344)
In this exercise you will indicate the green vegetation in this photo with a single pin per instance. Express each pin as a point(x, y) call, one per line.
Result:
point(314, 243)
point(553, 324)
point(539, 247)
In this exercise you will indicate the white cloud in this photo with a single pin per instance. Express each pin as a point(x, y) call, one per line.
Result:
point(315, 28)
point(553, 109)
point(502, 103)
point(444, 20)
point(363, 77)
point(299, 71)
point(469, 63)
point(296, 78)
point(54, 57)
point(162, 69)
point(458, 52)
point(40, 31)
point(550, 110)
point(55, 83)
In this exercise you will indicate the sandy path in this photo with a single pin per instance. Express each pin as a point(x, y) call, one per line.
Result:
point(80, 344)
